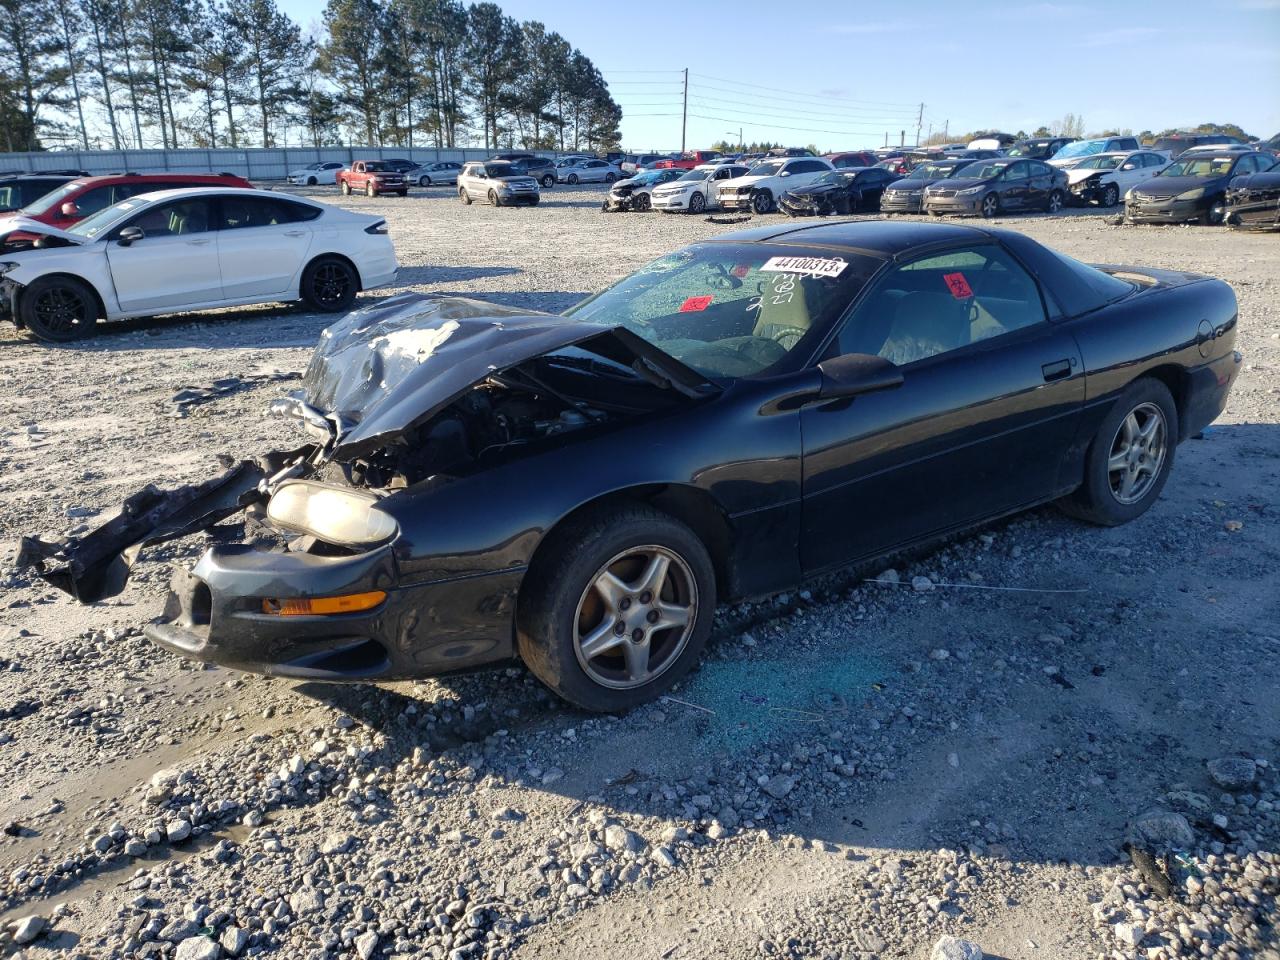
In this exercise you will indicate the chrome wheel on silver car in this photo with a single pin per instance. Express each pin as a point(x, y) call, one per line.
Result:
point(635, 617)
point(1137, 453)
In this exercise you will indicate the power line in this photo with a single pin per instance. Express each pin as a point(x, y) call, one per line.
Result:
point(801, 113)
point(774, 126)
point(801, 93)
point(750, 116)
point(808, 101)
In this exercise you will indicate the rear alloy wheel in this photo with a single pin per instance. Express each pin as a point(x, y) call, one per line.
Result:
point(1055, 201)
point(346, 189)
point(58, 309)
point(697, 203)
point(1111, 195)
point(571, 179)
point(1130, 457)
point(370, 190)
point(329, 285)
point(990, 206)
point(464, 196)
point(548, 180)
point(311, 181)
point(616, 608)
point(761, 201)
point(424, 181)
point(641, 203)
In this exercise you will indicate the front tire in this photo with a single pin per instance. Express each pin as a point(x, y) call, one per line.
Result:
point(58, 309)
point(990, 206)
point(464, 196)
point(329, 285)
point(548, 181)
point(493, 198)
point(1216, 213)
point(311, 181)
point(1129, 458)
point(571, 179)
point(345, 188)
point(1111, 195)
point(609, 178)
point(616, 608)
point(424, 181)
point(370, 190)
point(697, 203)
point(641, 203)
point(761, 201)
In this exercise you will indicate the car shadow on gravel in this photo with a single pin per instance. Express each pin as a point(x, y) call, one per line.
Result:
point(413, 276)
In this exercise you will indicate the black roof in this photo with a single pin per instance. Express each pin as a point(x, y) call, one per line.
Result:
point(876, 238)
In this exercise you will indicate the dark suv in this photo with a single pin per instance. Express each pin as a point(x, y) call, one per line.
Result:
point(1179, 143)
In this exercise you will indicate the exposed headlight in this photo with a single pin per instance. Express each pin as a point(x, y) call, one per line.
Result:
point(8, 265)
point(1195, 194)
point(330, 514)
point(1128, 194)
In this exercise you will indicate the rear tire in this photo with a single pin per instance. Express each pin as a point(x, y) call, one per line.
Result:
point(345, 188)
point(591, 573)
point(329, 284)
point(1054, 203)
point(58, 309)
point(464, 196)
point(1118, 456)
point(548, 181)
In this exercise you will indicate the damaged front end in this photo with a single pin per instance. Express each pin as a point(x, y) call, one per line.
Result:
point(412, 391)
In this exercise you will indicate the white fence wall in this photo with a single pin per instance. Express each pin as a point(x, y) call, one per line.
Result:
point(255, 164)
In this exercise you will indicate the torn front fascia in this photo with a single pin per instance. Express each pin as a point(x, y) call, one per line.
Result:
point(97, 565)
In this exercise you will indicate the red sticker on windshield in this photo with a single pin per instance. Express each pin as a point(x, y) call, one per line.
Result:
point(694, 304)
point(958, 285)
point(741, 270)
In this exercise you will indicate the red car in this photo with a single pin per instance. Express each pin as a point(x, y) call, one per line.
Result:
point(688, 160)
point(80, 198)
point(372, 177)
point(853, 158)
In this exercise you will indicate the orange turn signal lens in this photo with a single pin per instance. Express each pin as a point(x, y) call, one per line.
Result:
point(320, 606)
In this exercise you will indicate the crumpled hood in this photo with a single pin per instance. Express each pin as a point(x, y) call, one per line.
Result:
point(1076, 174)
point(383, 370)
point(25, 225)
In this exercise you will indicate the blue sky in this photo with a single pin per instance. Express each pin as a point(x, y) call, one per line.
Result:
point(843, 75)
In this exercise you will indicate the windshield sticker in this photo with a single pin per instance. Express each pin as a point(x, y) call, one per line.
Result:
point(815, 266)
point(740, 270)
point(958, 285)
point(696, 304)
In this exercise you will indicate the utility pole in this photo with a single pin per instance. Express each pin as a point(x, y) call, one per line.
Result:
point(919, 124)
point(946, 130)
point(684, 112)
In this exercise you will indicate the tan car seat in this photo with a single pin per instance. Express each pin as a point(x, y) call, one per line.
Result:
point(784, 323)
point(925, 324)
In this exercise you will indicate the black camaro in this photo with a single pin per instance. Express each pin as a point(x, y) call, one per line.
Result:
point(580, 491)
point(1253, 201)
point(851, 190)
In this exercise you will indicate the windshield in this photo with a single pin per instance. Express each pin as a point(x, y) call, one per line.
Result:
point(49, 200)
point(649, 177)
point(1199, 167)
point(731, 309)
point(1081, 148)
point(1028, 148)
point(499, 170)
point(91, 226)
point(1100, 163)
point(984, 169)
point(767, 168)
point(937, 171)
point(314, 166)
point(695, 174)
point(837, 177)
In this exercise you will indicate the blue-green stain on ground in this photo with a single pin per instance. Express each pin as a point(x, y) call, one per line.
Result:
point(754, 699)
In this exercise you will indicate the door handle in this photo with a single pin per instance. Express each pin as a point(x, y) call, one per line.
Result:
point(198, 243)
point(295, 233)
point(1056, 370)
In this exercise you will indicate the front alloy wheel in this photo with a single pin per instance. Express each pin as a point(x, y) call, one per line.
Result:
point(761, 201)
point(58, 309)
point(990, 205)
point(635, 617)
point(641, 203)
point(697, 203)
point(571, 179)
point(424, 181)
point(1111, 195)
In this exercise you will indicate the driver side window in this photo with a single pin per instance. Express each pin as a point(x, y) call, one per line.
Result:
point(942, 303)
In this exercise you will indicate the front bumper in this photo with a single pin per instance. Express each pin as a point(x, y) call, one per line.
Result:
point(1264, 215)
point(897, 202)
point(956, 204)
point(214, 614)
point(734, 201)
point(672, 204)
point(1166, 211)
point(616, 204)
point(1086, 191)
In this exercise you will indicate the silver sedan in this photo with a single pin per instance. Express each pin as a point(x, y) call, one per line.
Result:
point(434, 174)
point(588, 171)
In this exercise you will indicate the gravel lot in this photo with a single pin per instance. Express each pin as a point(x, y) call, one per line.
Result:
point(856, 771)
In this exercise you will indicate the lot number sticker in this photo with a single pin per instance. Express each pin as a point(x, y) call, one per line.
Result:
point(958, 285)
point(696, 304)
point(814, 266)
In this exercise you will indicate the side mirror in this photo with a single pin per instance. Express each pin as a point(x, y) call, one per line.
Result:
point(1128, 166)
point(785, 173)
point(129, 236)
point(856, 373)
point(69, 209)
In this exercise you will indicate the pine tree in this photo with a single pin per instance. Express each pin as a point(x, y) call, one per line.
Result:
point(273, 56)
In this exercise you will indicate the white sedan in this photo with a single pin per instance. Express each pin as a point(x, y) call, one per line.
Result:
point(1106, 177)
point(316, 173)
point(586, 170)
point(192, 249)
